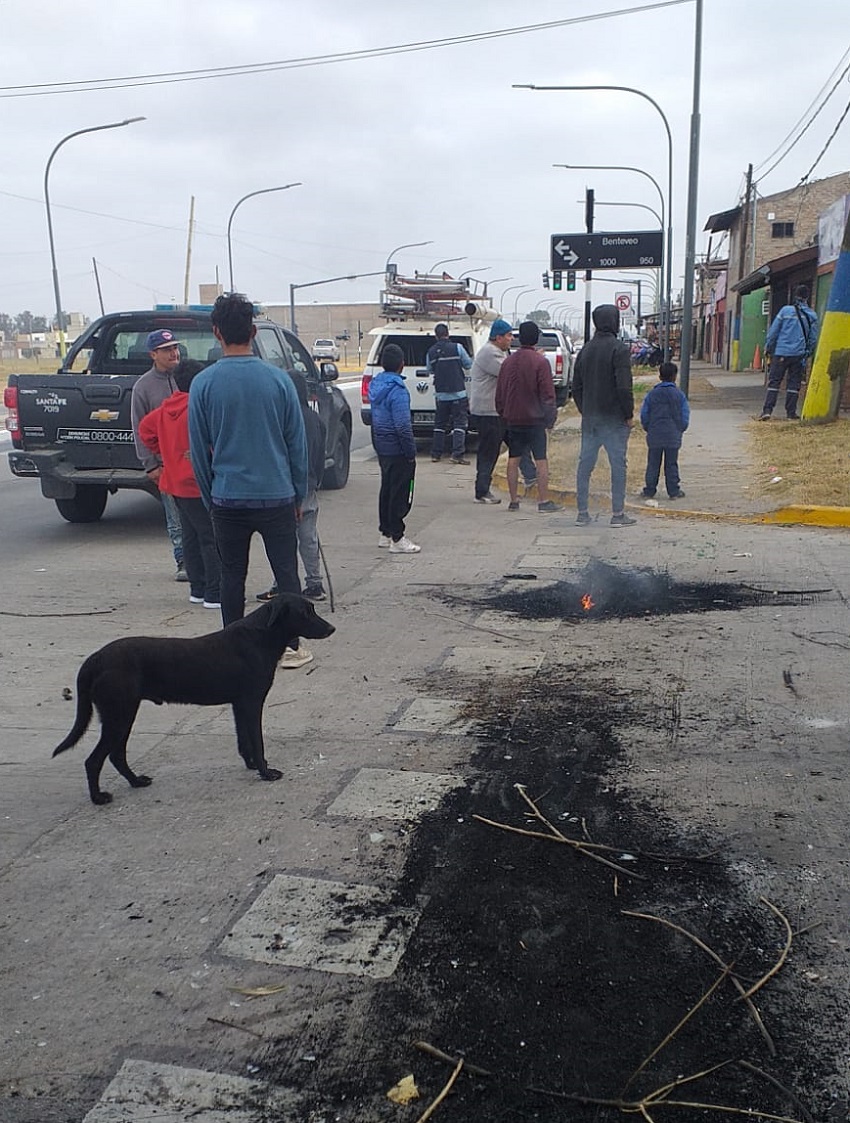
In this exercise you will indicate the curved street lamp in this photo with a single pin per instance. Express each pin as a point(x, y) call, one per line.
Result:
point(642, 206)
point(479, 269)
point(511, 288)
point(519, 295)
point(250, 195)
point(444, 261)
point(406, 246)
point(662, 115)
point(618, 168)
point(60, 320)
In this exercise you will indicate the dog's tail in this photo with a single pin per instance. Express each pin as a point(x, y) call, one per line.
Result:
point(84, 709)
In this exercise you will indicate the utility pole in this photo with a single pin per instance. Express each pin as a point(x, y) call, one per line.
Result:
point(742, 257)
point(588, 225)
point(97, 282)
point(189, 250)
point(691, 225)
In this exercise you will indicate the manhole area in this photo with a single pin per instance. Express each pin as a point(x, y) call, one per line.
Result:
point(602, 591)
point(524, 962)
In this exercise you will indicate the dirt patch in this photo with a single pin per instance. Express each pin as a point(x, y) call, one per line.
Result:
point(802, 463)
point(525, 964)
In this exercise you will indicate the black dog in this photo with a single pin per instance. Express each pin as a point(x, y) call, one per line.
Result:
point(236, 665)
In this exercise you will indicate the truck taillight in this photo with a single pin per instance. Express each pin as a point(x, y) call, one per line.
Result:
point(10, 401)
point(559, 364)
point(364, 388)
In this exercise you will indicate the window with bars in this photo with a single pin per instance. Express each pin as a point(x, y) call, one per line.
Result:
point(782, 230)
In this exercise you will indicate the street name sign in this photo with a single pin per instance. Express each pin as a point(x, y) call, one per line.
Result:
point(607, 251)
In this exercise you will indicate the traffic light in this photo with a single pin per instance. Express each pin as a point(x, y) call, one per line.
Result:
point(556, 279)
point(546, 279)
point(571, 280)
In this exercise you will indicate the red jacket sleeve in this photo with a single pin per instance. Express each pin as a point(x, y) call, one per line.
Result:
point(149, 431)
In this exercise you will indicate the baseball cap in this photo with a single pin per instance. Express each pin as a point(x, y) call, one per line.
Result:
point(499, 327)
point(161, 338)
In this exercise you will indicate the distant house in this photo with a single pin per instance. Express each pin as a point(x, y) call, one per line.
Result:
point(773, 245)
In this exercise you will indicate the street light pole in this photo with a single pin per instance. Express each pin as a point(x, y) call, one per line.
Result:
point(406, 246)
point(660, 111)
point(691, 222)
point(60, 320)
point(511, 288)
point(250, 195)
point(642, 206)
point(525, 292)
point(326, 281)
point(444, 261)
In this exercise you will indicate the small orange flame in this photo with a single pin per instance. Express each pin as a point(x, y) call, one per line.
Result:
point(587, 602)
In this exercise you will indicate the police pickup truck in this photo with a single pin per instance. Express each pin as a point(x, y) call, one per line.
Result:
point(73, 431)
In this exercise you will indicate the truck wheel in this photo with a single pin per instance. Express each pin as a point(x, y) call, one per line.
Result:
point(337, 476)
point(86, 507)
point(562, 395)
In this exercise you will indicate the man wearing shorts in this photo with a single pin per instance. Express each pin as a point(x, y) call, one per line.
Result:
point(525, 400)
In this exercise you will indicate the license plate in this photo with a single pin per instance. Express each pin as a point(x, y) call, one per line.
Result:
point(95, 436)
point(422, 418)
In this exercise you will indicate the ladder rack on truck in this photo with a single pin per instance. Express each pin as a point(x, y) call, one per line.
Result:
point(436, 296)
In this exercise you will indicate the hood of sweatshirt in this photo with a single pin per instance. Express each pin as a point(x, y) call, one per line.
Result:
point(606, 318)
point(175, 406)
point(383, 384)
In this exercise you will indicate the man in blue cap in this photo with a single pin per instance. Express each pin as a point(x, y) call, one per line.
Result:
point(482, 407)
point(149, 392)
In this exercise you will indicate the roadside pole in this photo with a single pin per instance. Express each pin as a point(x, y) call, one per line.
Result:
point(588, 275)
point(831, 364)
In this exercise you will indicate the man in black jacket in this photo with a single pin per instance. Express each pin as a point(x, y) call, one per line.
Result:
point(604, 396)
point(447, 362)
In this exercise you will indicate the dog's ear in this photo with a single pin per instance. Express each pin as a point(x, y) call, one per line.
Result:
point(278, 607)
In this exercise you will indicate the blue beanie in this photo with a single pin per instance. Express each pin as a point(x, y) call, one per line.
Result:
point(499, 327)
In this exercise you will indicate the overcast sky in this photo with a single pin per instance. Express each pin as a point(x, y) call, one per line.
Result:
point(424, 146)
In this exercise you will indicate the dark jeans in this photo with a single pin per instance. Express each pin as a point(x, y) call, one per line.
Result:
point(451, 416)
point(233, 528)
point(200, 555)
point(653, 470)
point(491, 434)
point(396, 496)
point(780, 366)
point(613, 436)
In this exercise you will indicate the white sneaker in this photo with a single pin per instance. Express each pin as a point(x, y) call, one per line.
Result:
point(404, 546)
point(292, 660)
point(196, 600)
point(384, 542)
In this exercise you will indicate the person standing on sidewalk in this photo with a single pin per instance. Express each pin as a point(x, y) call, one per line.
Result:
point(392, 438)
point(165, 432)
point(665, 415)
point(249, 452)
point(482, 406)
point(791, 339)
point(525, 400)
point(604, 396)
point(149, 392)
point(447, 361)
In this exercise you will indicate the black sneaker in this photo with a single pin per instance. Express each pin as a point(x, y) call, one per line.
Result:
point(459, 460)
point(583, 518)
point(765, 417)
point(548, 507)
point(677, 495)
point(647, 494)
point(269, 594)
point(181, 574)
point(622, 520)
point(315, 592)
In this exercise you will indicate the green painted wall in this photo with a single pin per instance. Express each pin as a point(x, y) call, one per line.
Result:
point(754, 325)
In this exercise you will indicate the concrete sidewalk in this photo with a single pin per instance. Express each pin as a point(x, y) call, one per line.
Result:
point(717, 470)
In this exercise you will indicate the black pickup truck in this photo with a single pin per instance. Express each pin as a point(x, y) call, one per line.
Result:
point(72, 429)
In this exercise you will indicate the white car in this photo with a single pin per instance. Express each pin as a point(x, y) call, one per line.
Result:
point(326, 349)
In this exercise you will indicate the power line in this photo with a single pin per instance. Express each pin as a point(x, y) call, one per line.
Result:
point(807, 126)
point(170, 77)
point(828, 143)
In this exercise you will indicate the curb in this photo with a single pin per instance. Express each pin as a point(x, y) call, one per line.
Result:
point(797, 515)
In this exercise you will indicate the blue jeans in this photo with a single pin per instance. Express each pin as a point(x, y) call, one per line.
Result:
point(173, 525)
point(234, 527)
point(613, 436)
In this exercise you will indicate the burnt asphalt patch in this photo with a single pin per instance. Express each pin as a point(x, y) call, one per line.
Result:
point(635, 592)
point(524, 963)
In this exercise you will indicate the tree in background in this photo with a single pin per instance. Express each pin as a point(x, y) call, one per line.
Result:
point(540, 317)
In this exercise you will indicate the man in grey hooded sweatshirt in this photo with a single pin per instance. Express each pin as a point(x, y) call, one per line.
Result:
point(604, 396)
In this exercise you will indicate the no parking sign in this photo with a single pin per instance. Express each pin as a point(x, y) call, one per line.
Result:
point(623, 300)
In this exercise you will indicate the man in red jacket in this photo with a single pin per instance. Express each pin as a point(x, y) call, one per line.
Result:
point(165, 432)
point(525, 400)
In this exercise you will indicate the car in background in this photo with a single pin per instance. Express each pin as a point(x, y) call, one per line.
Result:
point(326, 349)
point(560, 353)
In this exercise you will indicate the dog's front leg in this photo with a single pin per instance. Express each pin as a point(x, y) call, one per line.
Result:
point(248, 716)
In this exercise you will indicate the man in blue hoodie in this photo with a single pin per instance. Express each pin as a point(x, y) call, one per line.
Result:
point(791, 338)
point(249, 453)
point(665, 415)
point(392, 437)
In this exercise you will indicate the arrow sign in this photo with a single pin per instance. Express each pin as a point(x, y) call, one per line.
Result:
point(570, 257)
point(627, 250)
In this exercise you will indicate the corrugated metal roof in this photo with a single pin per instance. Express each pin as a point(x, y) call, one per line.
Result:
point(723, 220)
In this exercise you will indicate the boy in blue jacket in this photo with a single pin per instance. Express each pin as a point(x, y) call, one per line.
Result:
point(665, 415)
point(392, 437)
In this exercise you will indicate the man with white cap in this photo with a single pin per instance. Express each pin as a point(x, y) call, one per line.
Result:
point(149, 392)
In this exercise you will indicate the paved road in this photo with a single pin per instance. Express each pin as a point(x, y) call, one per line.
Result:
point(125, 927)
